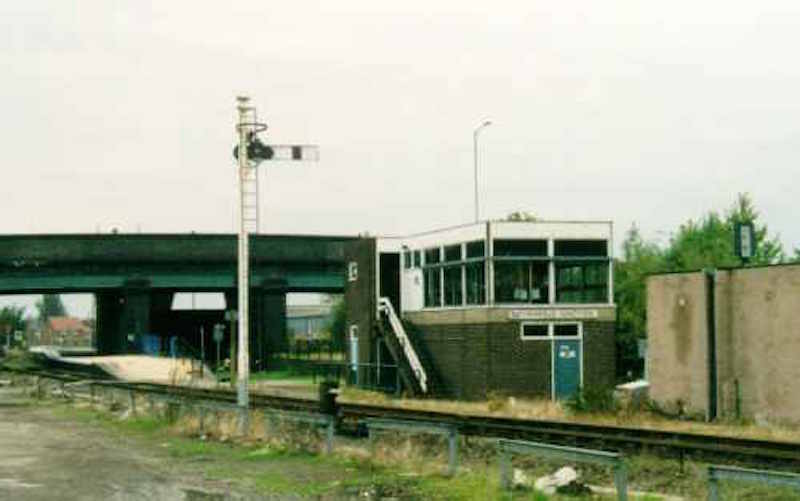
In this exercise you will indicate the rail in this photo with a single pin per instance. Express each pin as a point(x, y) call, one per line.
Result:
point(325, 421)
point(741, 451)
point(505, 448)
point(717, 473)
point(385, 306)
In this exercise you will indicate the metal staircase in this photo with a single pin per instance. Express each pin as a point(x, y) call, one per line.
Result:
point(398, 341)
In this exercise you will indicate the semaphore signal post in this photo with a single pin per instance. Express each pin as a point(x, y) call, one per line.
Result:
point(250, 152)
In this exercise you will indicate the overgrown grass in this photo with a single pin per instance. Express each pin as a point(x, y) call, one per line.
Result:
point(285, 376)
point(592, 399)
point(19, 360)
point(523, 408)
point(403, 467)
point(270, 469)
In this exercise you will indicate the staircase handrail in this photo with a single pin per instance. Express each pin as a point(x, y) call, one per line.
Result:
point(385, 305)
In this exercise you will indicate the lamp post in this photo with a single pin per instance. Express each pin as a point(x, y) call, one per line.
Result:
point(475, 133)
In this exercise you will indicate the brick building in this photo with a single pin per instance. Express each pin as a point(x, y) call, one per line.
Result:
point(519, 308)
point(66, 331)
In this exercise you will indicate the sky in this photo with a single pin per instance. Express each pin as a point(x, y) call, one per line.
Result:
point(121, 114)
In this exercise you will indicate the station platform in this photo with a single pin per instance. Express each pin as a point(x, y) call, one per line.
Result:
point(134, 368)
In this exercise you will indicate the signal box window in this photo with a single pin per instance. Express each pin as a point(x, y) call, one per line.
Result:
point(535, 331)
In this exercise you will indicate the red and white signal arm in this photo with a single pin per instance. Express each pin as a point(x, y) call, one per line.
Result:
point(308, 152)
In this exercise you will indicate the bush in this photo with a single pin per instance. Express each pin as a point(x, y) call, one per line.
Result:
point(592, 399)
point(497, 401)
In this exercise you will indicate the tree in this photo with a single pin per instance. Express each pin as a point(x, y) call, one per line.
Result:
point(338, 325)
point(709, 241)
point(521, 216)
point(12, 318)
point(50, 306)
point(639, 258)
point(698, 244)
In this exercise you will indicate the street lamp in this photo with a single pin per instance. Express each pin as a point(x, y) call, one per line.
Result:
point(475, 133)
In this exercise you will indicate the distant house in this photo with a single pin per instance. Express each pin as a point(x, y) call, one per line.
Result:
point(308, 321)
point(67, 331)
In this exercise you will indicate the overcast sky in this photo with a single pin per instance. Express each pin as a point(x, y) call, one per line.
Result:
point(121, 114)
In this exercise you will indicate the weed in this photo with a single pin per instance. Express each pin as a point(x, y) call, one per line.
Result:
point(593, 398)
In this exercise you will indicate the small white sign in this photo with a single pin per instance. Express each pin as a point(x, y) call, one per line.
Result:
point(554, 314)
point(352, 271)
point(567, 352)
point(218, 333)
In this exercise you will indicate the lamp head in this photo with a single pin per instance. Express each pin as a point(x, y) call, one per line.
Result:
point(483, 124)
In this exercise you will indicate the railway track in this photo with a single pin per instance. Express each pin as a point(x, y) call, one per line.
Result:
point(681, 445)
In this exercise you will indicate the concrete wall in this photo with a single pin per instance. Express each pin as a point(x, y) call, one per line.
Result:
point(757, 338)
point(676, 348)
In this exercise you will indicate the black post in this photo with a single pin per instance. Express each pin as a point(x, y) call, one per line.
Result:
point(712, 342)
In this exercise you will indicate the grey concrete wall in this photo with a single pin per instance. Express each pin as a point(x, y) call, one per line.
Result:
point(758, 327)
point(758, 341)
point(677, 343)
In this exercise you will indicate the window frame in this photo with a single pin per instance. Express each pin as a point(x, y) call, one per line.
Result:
point(528, 264)
point(583, 287)
point(443, 266)
point(550, 330)
point(523, 337)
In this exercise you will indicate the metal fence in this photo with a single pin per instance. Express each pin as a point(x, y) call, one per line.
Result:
point(717, 473)
point(311, 349)
point(378, 377)
point(448, 430)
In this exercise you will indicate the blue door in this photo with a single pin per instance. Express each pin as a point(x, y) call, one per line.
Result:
point(567, 362)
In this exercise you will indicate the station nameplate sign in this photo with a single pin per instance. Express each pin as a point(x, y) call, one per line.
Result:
point(555, 314)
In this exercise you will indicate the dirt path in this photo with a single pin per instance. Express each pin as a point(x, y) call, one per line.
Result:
point(46, 456)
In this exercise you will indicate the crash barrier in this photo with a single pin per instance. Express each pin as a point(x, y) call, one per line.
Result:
point(717, 473)
point(448, 430)
point(506, 448)
point(325, 421)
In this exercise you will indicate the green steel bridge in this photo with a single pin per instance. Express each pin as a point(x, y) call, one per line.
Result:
point(134, 277)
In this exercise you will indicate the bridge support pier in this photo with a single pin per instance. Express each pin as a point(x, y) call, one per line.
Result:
point(123, 315)
point(267, 320)
point(273, 316)
point(135, 314)
point(107, 322)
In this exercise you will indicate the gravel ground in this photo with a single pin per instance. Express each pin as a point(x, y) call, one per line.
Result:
point(45, 456)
